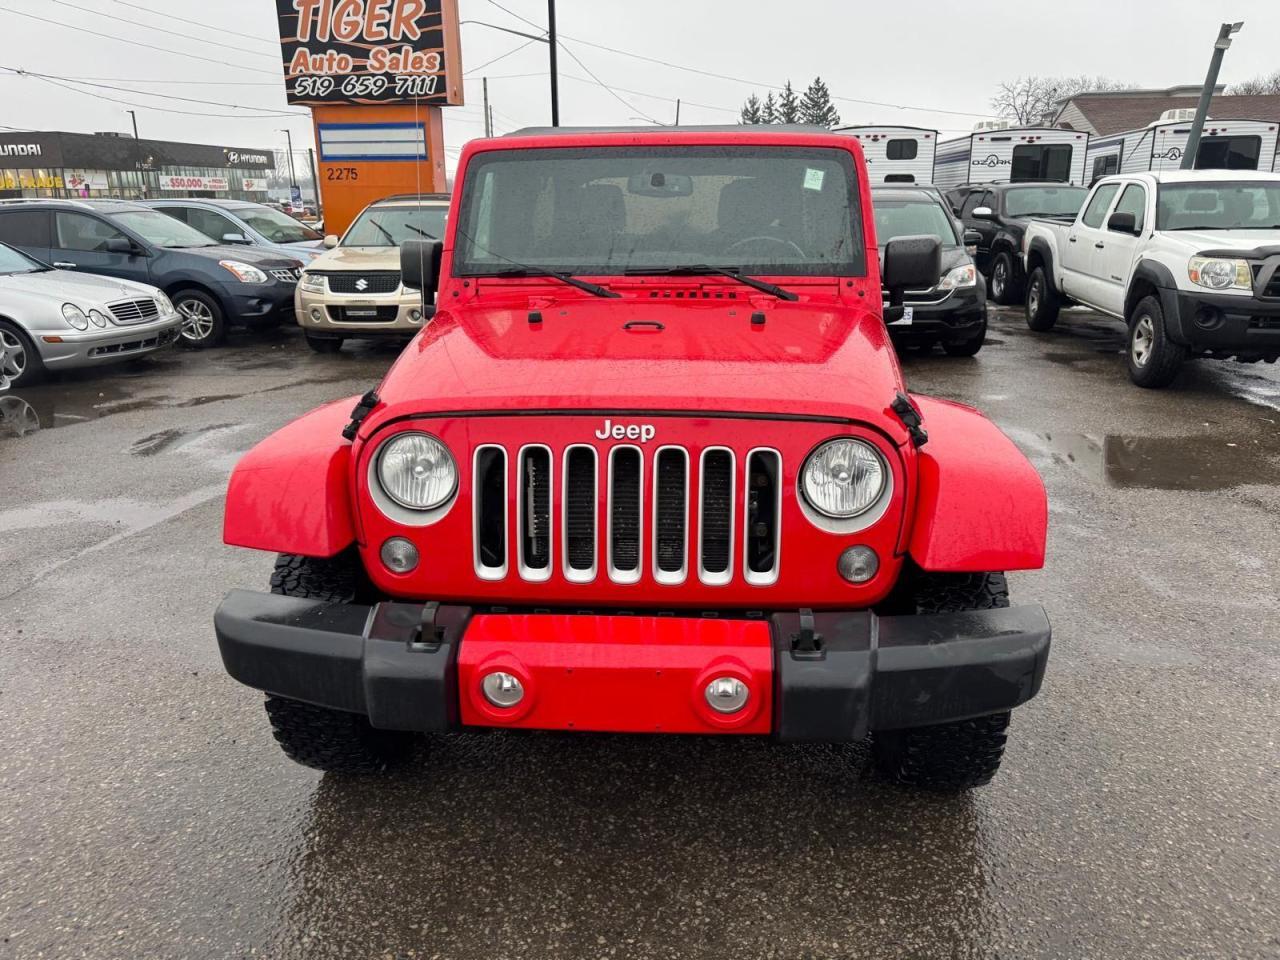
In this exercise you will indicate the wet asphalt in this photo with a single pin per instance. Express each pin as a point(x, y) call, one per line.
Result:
point(146, 812)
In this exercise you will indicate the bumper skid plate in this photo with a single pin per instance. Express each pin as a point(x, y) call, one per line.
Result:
point(831, 676)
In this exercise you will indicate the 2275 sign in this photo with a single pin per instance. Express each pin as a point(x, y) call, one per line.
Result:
point(371, 51)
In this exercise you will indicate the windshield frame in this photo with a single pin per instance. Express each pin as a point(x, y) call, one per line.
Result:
point(1028, 187)
point(854, 266)
point(1189, 186)
point(390, 210)
point(121, 220)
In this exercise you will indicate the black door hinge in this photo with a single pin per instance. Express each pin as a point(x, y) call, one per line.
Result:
point(362, 410)
point(429, 634)
point(911, 419)
point(807, 640)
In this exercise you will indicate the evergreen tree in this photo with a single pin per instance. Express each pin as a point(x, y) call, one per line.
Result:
point(751, 110)
point(769, 112)
point(816, 106)
point(788, 105)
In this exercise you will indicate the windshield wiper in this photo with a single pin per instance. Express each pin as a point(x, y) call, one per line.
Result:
point(421, 233)
point(570, 279)
point(701, 269)
point(383, 230)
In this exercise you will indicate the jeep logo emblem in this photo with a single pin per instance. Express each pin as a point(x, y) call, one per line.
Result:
point(362, 284)
point(644, 432)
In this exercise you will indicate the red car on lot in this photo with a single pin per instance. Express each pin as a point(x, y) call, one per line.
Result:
point(652, 468)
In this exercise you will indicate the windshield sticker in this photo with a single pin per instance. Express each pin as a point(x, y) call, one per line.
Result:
point(813, 178)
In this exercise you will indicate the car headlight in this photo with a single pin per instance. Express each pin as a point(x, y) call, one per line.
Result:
point(98, 318)
point(312, 283)
point(1219, 274)
point(164, 303)
point(417, 471)
point(243, 272)
point(75, 316)
point(959, 278)
point(844, 478)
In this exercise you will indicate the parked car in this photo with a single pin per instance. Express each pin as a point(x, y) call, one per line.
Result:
point(252, 224)
point(954, 311)
point(212, 285)
point(1189, 260)
point(354, 290)
point(54, 320)
point(658, 472)
point(999, 213)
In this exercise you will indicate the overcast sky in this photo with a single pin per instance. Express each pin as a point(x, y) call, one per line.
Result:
point(943, 57)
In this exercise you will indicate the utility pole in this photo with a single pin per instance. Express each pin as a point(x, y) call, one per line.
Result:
point(677, 123)
point(293, 176)
point(488, 117)
point(1225, 32)
point(555, 79)
point(134, 114)
point(315, 181)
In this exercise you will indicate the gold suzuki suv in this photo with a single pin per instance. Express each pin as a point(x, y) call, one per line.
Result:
point(354, 289)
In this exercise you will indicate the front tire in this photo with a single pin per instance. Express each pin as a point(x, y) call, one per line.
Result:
point(1043, 302)
point(330, 740)
point(203, 323)
point(324, 344)
point(1004, 279)
point(948, 757)
point(1153, 359)
point(20, 365)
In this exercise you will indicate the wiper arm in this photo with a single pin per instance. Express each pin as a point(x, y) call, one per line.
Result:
point(701, 269)
point(421, 233)
point(570, 279)
point(383, 230)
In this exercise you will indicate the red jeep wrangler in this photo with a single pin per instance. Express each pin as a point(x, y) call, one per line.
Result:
point(652, 468)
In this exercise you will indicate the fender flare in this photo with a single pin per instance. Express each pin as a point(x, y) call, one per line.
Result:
point(980, 504)
point(1160, 277)
point(1040, 246)
point(292, 492)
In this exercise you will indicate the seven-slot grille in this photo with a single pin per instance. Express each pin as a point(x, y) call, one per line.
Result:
point(360, 283)
point(289, 275)
point(666, 513)
point(126, 312)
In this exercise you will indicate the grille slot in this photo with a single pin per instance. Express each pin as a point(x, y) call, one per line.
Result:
point(579, 508)
point(715, 544)
point(626, 490)
point(670, 515)
point(534, 513)
point(763, 517)
point(489, 494)
point(361, 283)
point(287, 276)
point(126, 312)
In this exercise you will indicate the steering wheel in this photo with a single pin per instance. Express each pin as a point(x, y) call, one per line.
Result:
point(775, 241)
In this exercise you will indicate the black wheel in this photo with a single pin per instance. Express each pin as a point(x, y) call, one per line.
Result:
point(1154, 360)
point(1043, 303)
point(1004, 279)
point(203, 324)
point(313, 736)
point(970, 347)
point(948, 757)
point(20, 365)
point(324, 344)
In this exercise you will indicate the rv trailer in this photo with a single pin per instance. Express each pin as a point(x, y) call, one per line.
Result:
point(1012, 155)
point(1160, 146)
point(896, 154)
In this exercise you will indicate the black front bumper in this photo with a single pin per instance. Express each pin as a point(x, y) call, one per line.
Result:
point(1222, 325)
point(259, 304)
point(956, 319)
point(866, 673)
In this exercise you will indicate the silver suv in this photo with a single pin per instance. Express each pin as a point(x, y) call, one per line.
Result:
point(251, 224)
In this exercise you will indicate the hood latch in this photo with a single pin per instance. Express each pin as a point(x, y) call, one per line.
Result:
point(909, 414)
point(362, 410)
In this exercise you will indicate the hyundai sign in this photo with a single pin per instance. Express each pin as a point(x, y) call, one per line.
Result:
point(371, 51)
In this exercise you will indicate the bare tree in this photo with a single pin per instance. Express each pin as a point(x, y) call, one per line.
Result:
point(1256, 86)
point(1031, 100)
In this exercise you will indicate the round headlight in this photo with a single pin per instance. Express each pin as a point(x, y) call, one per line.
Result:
point(98, 318)
point(75, 316)
point(417, 471)
point(164, 303)
point(844, 478)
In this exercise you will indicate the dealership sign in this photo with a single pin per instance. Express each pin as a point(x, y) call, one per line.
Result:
point(370, 51)
point(194, 183)
point(87, 180)
point(254, 186)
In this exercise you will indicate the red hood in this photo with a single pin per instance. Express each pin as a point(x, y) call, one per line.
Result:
point(815, 357)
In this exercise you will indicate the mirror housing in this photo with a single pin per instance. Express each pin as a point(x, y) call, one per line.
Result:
point(982, 213)
point(972, 238)
point(1123, 223)
point(235, 238)
point(121, 245)
point(420, 262)
point(330, 241)
point(910, 263)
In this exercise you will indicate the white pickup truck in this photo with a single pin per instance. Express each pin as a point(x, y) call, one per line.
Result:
point(1189, 260)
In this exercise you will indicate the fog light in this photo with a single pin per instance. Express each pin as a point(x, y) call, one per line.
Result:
point(415, 316)
point(316, 315)
point(858, 564)
point(399, 555)
point(727, 694)
point(502, 689)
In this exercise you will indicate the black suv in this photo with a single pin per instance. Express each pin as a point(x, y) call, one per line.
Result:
point(999, 212)
point(952, 313)
point(211, 285)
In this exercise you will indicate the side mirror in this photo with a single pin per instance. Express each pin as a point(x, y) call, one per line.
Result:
point(972, 238)
point(235, 238)
point(330, 241)
point(982, 213)
point(910, 263)
point(1123, 223)
point(119, 245)
point(420, 266)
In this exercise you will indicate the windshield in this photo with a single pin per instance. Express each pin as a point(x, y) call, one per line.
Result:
point(1044, 201)
point(392, 226)
point(782, 211)
point(912, 218)
point(11, 261)
point(1243, 205)
point(160, 229)
point(277, 227)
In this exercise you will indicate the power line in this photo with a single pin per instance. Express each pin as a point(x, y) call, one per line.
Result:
point(503, 56)
point(512, 13)
point(273, 111)
point(148, 26)
point(611, 91)
point(207, 26)
point(145, 106)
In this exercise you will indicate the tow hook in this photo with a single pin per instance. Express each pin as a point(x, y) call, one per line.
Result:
point(911, 419)
point(807, 643)
point(428, 635)
point(362, 410)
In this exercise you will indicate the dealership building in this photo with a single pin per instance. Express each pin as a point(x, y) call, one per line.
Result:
point(70, 165)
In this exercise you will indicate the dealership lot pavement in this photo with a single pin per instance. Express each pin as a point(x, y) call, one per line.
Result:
point(146, 812)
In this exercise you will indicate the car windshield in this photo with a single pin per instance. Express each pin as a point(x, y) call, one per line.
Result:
point(392, 226)
point(12, 261)
point(1045, 201)
point(276, 226)
point(606, 211)
point(912, 218)
point(160, 229)
point(1242, 205)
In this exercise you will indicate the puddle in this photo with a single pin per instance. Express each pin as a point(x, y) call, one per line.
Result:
point(1196, 463)
point(17, 417)
point(175, 439)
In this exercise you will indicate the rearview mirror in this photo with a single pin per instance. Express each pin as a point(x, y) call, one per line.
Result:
point(330, 241)
point(982, 213)
point(660, 185)
point(1123, 223)
point(420, 266)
